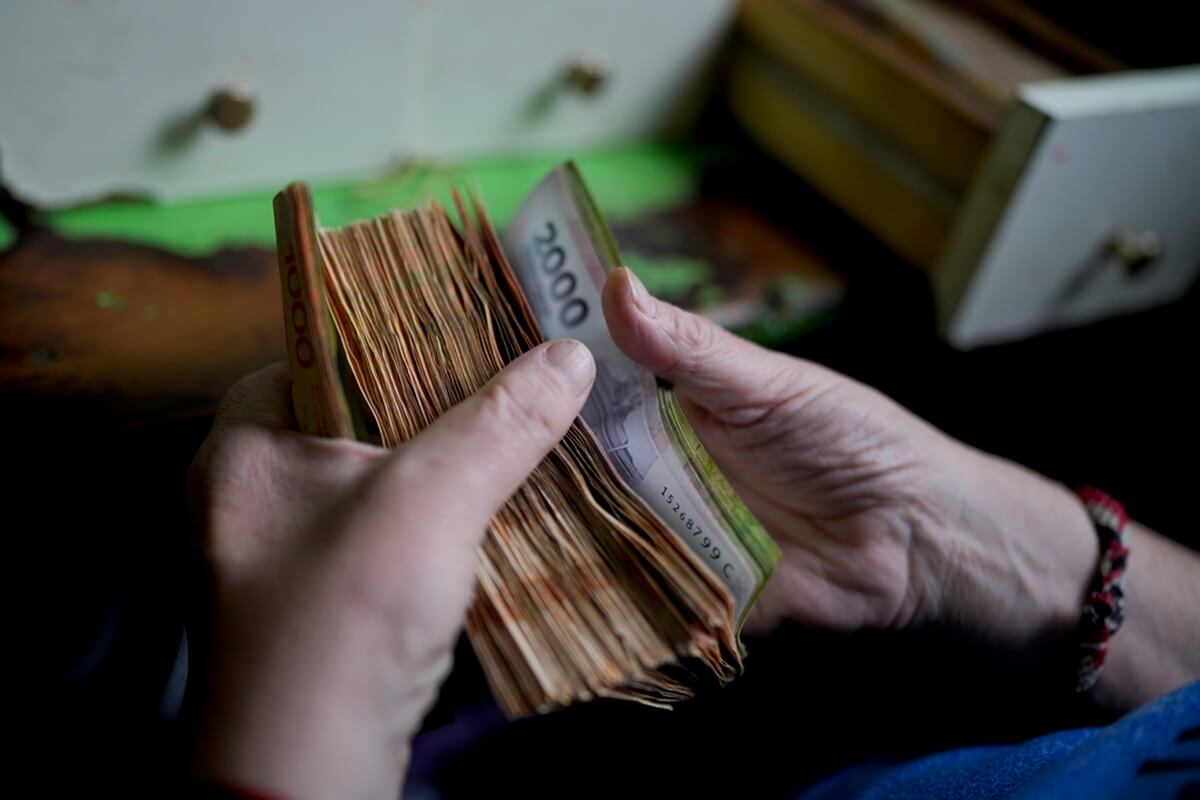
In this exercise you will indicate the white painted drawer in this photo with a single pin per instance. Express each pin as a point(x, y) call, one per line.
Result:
point(1083, 174)
point(109, 97)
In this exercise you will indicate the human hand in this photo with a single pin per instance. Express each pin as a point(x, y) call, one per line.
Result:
point(883, 521)
point(343, 573)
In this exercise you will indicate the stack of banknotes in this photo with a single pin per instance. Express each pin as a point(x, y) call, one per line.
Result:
point(625, 565)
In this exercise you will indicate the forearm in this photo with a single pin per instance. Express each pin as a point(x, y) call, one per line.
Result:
point(1019, 559)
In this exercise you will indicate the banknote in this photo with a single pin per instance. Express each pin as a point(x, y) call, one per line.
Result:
point(562, 251)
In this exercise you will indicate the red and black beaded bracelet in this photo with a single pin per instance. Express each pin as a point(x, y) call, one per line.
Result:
point(1104, 609)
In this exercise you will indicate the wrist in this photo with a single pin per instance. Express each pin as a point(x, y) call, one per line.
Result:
point(314, 711)
point(1017, 552)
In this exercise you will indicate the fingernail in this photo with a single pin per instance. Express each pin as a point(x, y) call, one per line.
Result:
point(575, 362)
point(641, 298)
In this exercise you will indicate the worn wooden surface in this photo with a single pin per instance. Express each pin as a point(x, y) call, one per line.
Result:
point(131, 335)
point(140, 334)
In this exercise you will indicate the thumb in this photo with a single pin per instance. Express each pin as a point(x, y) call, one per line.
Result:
point(715, 369)
point(472, 459)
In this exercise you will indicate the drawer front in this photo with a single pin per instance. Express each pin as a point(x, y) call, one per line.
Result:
point(1104, 218)
point(117, 97)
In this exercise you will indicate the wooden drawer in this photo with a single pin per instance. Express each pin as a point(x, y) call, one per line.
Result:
point(1087, 206)
point(1040, 187)
point(113, 98)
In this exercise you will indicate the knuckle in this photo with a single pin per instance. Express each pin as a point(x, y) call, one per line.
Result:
point(228, 462)
point(259, 396)
point(497, 402)
point(522, 407)
point(694, 339)
point(238, 395)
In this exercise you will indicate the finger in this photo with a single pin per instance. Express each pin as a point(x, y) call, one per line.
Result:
point(469, 462)
point(262, 399)
point(712, 367)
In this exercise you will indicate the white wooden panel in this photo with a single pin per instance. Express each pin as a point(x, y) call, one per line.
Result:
point(104, 96)
point(1119, 153)
point(493, 66)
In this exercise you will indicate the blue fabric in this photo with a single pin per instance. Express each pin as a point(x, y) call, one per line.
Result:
point(1150, 753)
